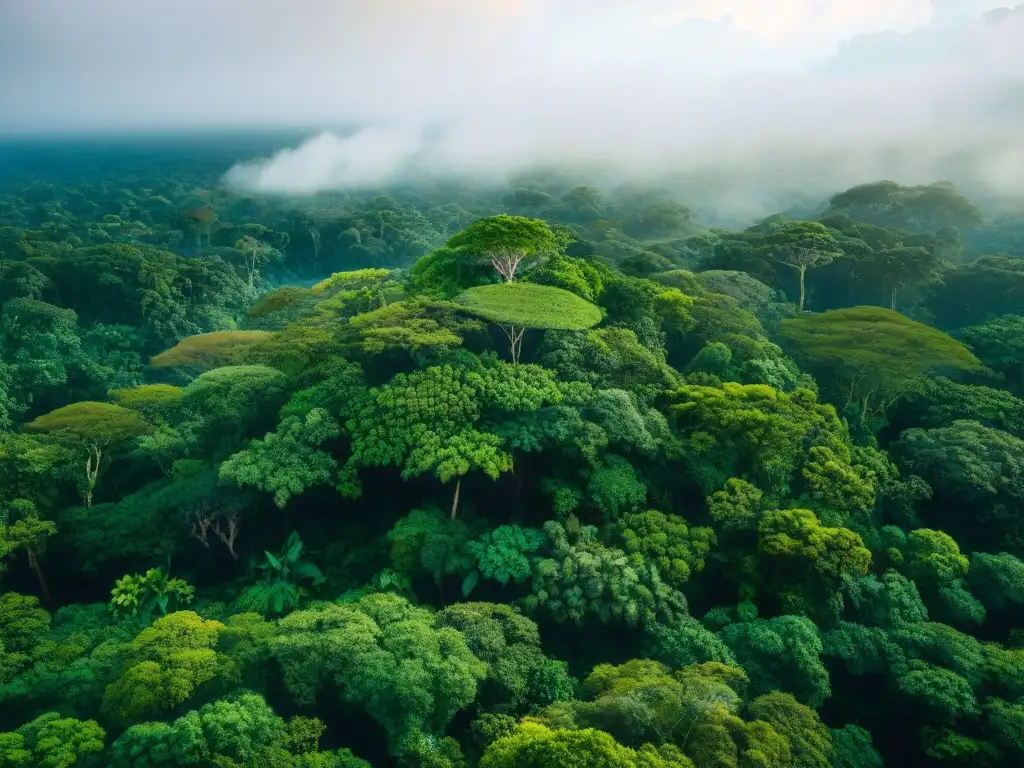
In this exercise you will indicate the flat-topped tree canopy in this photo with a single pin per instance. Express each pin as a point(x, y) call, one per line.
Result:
point(517, 307)
point(95, 426)
point(88, 421)
point(879, 337)
point(872, 355)
point(210, 350)
point(529, 305)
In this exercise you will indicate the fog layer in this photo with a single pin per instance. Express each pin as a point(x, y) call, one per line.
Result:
point(805, 94)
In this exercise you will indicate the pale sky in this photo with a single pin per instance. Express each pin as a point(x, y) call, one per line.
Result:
point(830, 88)
point(122, 62)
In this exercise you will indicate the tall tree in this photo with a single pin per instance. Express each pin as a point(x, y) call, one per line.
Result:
point(801, 245)
point(870, 356)
point(508, 242)
point(98, 428)
point(256, 253)
point(518, 307)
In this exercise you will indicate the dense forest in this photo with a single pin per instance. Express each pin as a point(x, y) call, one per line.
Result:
point(532, 475)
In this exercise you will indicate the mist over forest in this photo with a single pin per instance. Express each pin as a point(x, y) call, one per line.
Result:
point(511, 384)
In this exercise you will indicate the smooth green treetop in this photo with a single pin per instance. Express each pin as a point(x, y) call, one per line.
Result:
point(87, 422)
point(529, 305)
point(206, 351)
point(869, 356)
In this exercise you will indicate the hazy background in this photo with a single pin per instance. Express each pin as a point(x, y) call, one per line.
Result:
point(741, 97)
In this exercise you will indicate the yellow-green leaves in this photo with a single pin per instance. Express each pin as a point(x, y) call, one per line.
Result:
point(528, 305)
point(868, 356)
point(798, 534)
point(211, 350)
point(164, 666)
point(89, 422)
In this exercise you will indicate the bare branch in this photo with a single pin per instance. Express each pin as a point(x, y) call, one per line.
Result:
point(229, 534)
point(200, 526)
point(506, 263)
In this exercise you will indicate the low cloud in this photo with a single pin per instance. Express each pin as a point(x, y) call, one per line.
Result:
point(740, 101)
point(369, 157)
point(942, 102)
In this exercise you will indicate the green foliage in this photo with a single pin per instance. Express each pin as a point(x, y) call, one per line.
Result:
point(998, 344)
point(687, 642)
point(750, 293)
point(427, 421)
point(445, 273)
point(783, 653)
point(801, 245)
point(809, 739)
point(237, 730)
point(570, 274)
point(288, 461)
point(753, 432)
point(614, 487)
point(928, 206)
point(164, 666)
point(852, 748)
point(796, 533)
point(225, 405)
point(51, 741)
point(23, 531)
point(280, 306)
point(869, 356)
point(429, 751)
point(975, 464)
point(533, 744)
point(528, 305)
point(155, 402)
point(101, 424)
point(519, 676)
point(581, 577)
point(998, 580)
point(510, 243)
point(279, 589)
point(352, 280)
point(210, 350)
point(504, 553)
point(865, 561)
point(737, 506)
point(96, 427)
point(140, 594)
point(677, 549)
point(424, 329)
point(425, 539)
point(384, 654)
point(939, 402)
point(41, 348)
point(941, 691)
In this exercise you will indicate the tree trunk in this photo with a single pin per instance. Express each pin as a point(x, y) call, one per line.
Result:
point(803, 272)
point(92, 472)
point(33, 562)
point(515, 341)
point(455, 500)
point(892, 303)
